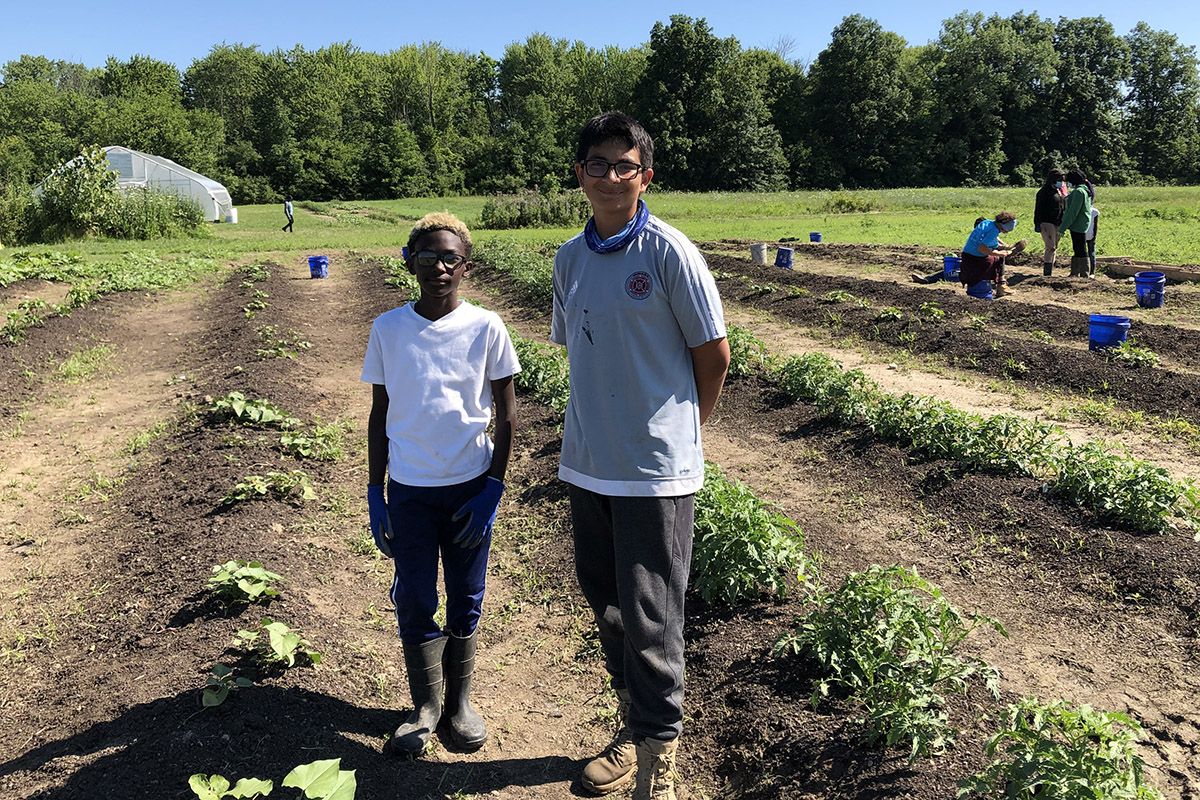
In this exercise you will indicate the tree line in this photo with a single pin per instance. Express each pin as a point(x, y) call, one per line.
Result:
point(992, 101)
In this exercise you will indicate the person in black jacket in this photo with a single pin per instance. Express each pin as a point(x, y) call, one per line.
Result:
point(1047, 215)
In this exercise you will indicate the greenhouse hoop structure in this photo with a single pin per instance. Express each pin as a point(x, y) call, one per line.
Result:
point(137, 169)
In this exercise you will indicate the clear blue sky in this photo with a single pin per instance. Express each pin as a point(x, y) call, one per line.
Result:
point(89, 31)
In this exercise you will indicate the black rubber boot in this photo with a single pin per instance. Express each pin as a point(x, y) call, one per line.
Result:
point(1079, 266)
point(466, 727)
point(1047, 269)
point(424, 665)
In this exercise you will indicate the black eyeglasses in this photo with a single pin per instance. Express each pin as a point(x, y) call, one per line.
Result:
point(449, 259)
point(598, 168)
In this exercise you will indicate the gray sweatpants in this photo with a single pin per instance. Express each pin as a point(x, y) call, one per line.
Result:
point(632, 556)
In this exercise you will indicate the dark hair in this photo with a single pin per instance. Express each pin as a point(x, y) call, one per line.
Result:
point(1055, 175)
point(621, 127)
point(1005, 216)
point(1076, 177)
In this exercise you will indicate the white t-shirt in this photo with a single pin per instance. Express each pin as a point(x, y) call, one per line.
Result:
point(438, 376)
point(628, 319)
point(1091, 231)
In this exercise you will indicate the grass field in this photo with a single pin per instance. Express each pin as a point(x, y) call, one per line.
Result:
point(1147, 223)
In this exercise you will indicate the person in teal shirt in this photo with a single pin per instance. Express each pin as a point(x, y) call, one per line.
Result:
point(1077, 218)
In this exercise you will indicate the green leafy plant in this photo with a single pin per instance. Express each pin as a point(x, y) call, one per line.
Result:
point(216, 787)
point(324, 442)
point(1015, 368)
point(260, 412)
point(544, 372)
point(291, 486)
point(888, 638)
point(323, 780)
point(976, 322)
point(891, 313)
point(221, 683)
point(244, 582)
point(1131, 353)
point(281, 646)
point(1053, 751)
point(932, 311)
point(743, 547)
point(280, 345)
point(747, 353)
point(1042, 336)
point(257, 273)
point(838, 296)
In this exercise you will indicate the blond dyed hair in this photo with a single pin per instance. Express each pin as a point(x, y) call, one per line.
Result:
point(440, 221)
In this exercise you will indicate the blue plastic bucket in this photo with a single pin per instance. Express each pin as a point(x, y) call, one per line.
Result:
point(1105, 330)
point(950, 267)
point(783, 257)
point(981, 290)
point(1151, 289)
point(814, 237)
point(318, 266)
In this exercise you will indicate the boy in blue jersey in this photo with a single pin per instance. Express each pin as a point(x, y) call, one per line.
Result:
point(437, 367)
point(641, 318)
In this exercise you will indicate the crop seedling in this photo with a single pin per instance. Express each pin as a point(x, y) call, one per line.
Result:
point(236, 582)
point(317, 780)
point(747, 353)
point(1042, 336)
point(260, 413)
point(282, 645)
point(1131, 353)
point(276, 345)
point(838, 296)
point(544, 372)
point(795, 292)
point(976, 322)
point(1014, 368)
point(743, 547)
point(323, 442)
point(1053, 751)
point(889, 314)
point(931, 311)
point(257, 273)
point(222, 683)
point(889, 639)
point(290, 486)
point(216, 787)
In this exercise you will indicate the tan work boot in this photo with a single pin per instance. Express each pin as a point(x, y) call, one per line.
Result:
point(614, 767)
point(655, 770)
point(1001, 290)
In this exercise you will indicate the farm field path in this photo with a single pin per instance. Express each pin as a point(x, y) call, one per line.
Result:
point(965, 392)
point(107, 645)
point(64, 452)
point(1073, 633)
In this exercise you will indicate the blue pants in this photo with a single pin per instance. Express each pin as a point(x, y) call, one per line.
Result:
point(421, 530)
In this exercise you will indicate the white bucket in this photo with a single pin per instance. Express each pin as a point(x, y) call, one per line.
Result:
point(231, 217)
point(758, 254)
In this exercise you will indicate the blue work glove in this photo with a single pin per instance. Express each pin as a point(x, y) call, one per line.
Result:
point(480, 512)
point(381, 523)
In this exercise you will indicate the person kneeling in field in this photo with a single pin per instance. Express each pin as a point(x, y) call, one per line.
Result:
point(437, 366)
point(642, 322)
point(983, 256)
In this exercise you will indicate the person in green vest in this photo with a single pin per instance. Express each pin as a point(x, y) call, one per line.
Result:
point(1077, 218)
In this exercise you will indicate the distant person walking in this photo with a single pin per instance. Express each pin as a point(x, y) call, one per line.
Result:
point(287, 209)
point(1047, 215)
point(1077, 218)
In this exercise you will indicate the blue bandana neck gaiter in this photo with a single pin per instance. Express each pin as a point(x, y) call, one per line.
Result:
point(623, 237)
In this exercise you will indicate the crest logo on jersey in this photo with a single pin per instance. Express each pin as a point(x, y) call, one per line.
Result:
point(638, 285)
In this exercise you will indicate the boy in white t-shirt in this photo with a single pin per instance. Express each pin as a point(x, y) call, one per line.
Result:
point(437, 366)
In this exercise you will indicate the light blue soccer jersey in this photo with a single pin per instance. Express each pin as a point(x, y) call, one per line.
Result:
point(632, 426)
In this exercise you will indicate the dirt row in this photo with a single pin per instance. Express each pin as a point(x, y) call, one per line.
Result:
point(108, 704)
point(1096, 615)
point(989, 351)
point(1174, 344)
